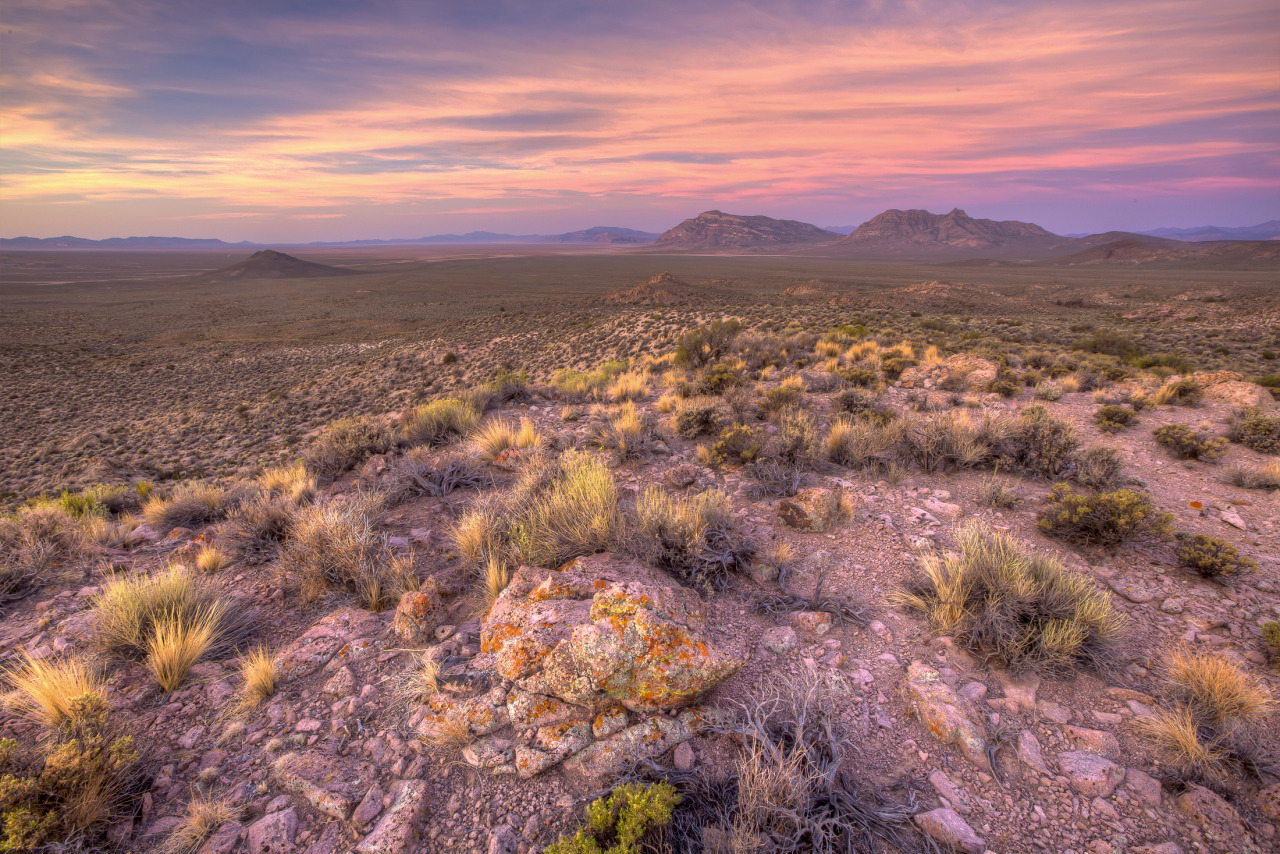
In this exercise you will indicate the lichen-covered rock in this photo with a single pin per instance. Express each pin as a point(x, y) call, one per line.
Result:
point(813, 510)
point(481, 715)
point(599, 632)
point(488, 752)
point(609, 721)
point(273, 834)
point(961, 372)
point(417, 615)
point(642, 741)
point(550, 746)
point(949, 716)
point(812, 624)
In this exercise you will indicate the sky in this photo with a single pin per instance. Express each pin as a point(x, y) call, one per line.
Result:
point(300, 120)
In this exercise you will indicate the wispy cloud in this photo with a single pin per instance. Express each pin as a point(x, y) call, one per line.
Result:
point(404, 108)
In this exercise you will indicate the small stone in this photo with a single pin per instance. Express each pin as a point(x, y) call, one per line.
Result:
point(779, 640)
point(1029, 751)
point(370, 807)
point(1171, 606)
point(1090, 774)
point(812, 623)
point(946, 827)
point(1054, 712)
point(1130, 591)
point(503, 840)
point(1233, 519)
point(274, 834)
point(1093, 740)
point(881, 631)
point(950, 717)
point(814, 510)
point(683, 757)
point(1145, 787)
point(418, 615)
point(950, 793)
point(973, 691)
point(341, 684)
point(224, 840)
point(1020, 689)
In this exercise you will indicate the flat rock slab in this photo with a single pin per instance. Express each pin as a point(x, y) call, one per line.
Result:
point(331, 786)
point(949, 716)
point(398, 827)
point(1091, 775)
point(948, 828)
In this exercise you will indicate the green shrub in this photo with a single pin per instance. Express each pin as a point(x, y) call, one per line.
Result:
point(1041, 442)
point(1047, 391)
point(1113, 419)
point(717, 379)
point(1006, 384)
point(619, 823)
point(1255, 429)
point(1180, 393)
point(797, 441)
point(438, 422)
point(1271, 639)
point(737, 443)
point(1105, 519)
point(346, 444)
point(1024, 608)
point(894, 364)
point(706, 344)
point(1210, 556)
point(698, 417)
point(1187, 443)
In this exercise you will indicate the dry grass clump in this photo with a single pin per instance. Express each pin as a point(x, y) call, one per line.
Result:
point(189, 505)
point(438, 422)
point(583, 385)
point(497, 436)
point(1177, 393)
point(1099, 468)
point(420, 472)
point(627, 387)
point(210, 559)
point(628, 432)
point(1257, 476)
point(694, 537)
point(258, 675)
point(494, 578)
point(861, 444)
point(292, 482)
point(1211, 727)
point(346, 444)
point(420, 682)
point(133, 610)
point(1019, 607)
point(205, 814)
point(1105, 519)
point(559, 509)
point(47, 691)
point(996, 493)
point(256, 528)
point(797, 441)
point(336, 545)
point(177, 642)
point(34, 541)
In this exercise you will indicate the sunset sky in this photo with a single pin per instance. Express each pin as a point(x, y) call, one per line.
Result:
point(325, 120)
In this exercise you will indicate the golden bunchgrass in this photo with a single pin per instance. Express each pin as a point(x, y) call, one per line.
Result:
point(1215, 687)
point(210, 559)
point(258, 677)
point(45, 689)
point(205, 814)
point(179, 641)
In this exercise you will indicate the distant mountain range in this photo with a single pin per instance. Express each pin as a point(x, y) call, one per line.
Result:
point(718, 230)
point(605, 234)
point(1263, 231)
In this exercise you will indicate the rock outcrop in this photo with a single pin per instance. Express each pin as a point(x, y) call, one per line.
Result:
point(961, 372)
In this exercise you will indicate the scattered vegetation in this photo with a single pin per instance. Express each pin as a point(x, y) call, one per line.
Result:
point(1210, 556)
point(1255, 476)
point(258, 677)
point(1187, 443)
point(694, 537)
point(52, 691)
point(190, 505)
point(1113, 419)
point(996, 493)
point(1020, 607)
point(337, 545)
point(346, 444)
point(1254, 429)
point(438, 422)
point(619, 822)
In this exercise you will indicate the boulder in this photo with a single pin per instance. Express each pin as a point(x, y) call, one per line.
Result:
point(274, 834)
point(813, 510)
point(950, 717)
point(418, 615)
point(1091, 775)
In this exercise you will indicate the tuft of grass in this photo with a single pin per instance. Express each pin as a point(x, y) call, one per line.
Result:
point(438, 422)
point(255, 529)
point(575, 514)
point(178, 641)
point(480, 534)
point(210, 559)
point(448, 734)
point(205, 814)
point(1216, 689)
point(33, 542)
point(494, 578)
point(1020, 607)
point(131, 610)
point(292, 482)
point(1178, 393)
point(48, 691)
point(996, 493)
point(421, 682)
point(494, 437)
point(1264, 475)
point(1196, 751)
point(346, 444)
point(628, 387)
point(694, 537)
point(336, 545)
point(258, 675)
point(1113, 419)
point(627, 432)
point(189, 505)
point(1105, 519)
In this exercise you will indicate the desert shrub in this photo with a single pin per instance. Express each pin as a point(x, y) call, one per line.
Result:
point(293, 482)
point(255, 529)
point(572, 513)
point(996, 493)
point(631, 386)
point(864, 444)
point(63, 795)
point(717, 379)
point(1187, 443)
point(863, 404)
point(346, 444)
point(509, 387)
point(1099, 468)
point(189, 505)
point(34, 541)
point(1020, 607)
point(949, 441)
point(1105, 519)
point(478, 397)
point(694, 537)
point(1209, 727)
point(418, 472)
point(628, 432)
point(857, 376)
point(1178, 393)
point(1047, 391)
point(774, 479)
point(1210, 556)
point(205, 814)
point(620, 822)
point(580, 385)
point(438, 422)
point(736, 444)
point(1041, 442)
point(796, 443)
point(148, 617)
point(46, 690)
point(1254, 429)
point(1113, 419)
point(336, 545)
point(1109, 343)
point(698, 417)
point(706, 344)
point(1271, 639)
point(1261, 476)
point(780, 397)
point(1006, 384)
point(893, 365)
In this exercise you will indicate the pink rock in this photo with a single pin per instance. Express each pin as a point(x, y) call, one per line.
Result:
point(948, 828)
